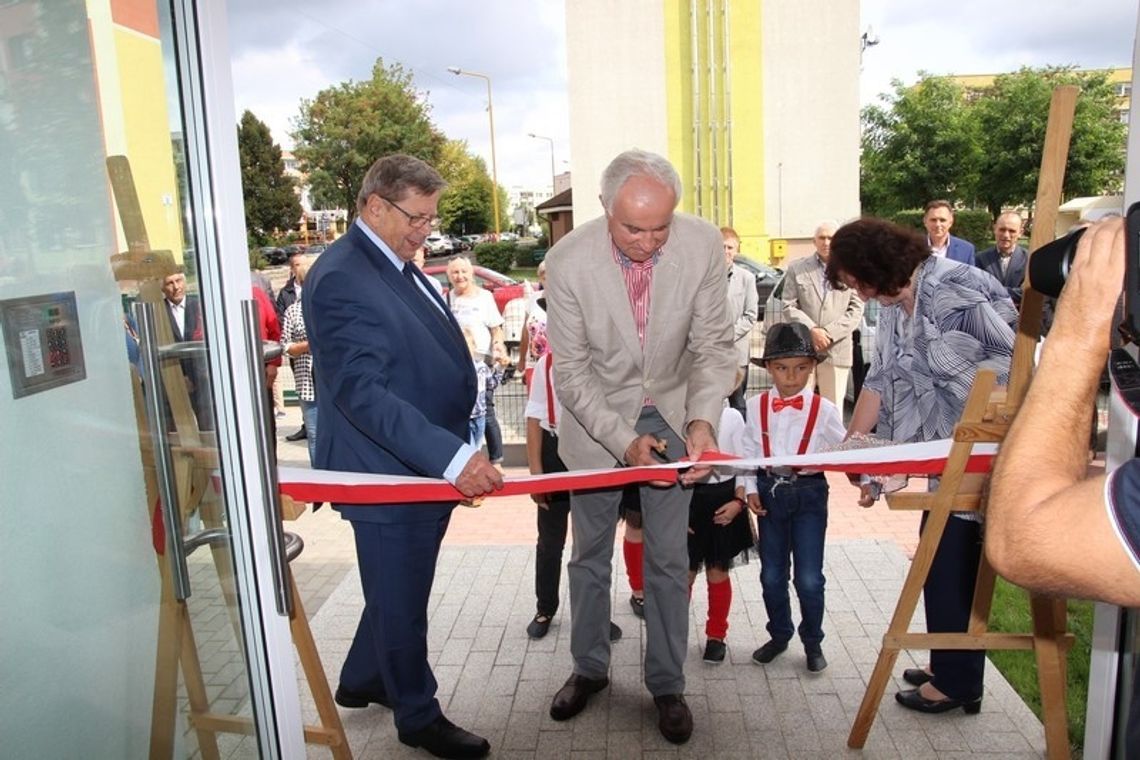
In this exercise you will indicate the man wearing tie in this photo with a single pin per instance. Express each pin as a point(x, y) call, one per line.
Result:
point(1006, 260)
point(395, 388)
point(832, 315)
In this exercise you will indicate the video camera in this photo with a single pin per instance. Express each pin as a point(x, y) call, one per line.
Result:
point(1050, 264)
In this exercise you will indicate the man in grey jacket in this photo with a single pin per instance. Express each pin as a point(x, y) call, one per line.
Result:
point(831, 314)
point(743, 308)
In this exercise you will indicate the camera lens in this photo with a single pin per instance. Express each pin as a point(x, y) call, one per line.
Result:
point(1049, 265)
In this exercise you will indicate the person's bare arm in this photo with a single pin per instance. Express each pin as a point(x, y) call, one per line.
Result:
point(1047, 527)
point(866, 412)
point(534, 456)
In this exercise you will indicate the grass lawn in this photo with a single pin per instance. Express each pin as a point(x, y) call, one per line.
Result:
point(524, 273)
point(1011, 615)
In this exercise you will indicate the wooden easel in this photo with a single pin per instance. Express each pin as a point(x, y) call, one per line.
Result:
point(986, 419)
point(195, 458)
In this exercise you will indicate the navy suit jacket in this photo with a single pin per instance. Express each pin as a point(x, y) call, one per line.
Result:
point(960, 250)
point(395, 382)
point(1014, 275)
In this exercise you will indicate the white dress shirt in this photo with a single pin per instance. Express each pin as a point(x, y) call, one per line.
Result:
point(786, 429)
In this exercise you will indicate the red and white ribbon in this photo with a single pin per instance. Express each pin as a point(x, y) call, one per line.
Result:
point(919, 459)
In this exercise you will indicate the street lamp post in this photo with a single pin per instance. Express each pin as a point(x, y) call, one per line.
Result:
point(551, 141)
point(490, 115)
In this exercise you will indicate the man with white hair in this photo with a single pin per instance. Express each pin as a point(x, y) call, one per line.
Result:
point(831, 314)
point(642, 346)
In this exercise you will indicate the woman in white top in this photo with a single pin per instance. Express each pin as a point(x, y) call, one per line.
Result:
point(474, 308)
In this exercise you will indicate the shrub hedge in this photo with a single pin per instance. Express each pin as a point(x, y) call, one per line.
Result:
point(499, 256)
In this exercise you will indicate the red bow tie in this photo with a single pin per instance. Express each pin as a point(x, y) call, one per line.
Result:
point(796, 402)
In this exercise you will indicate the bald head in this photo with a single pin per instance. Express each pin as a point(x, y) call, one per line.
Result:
point(1007, 231)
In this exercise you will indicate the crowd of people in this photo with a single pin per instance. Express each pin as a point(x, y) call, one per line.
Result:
point(635, 352)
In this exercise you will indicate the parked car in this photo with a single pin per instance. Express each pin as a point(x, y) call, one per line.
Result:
point(437, 243)
point(473, 240)
point(766, 277)
point(273, 255)
point(314, 250)
point(459, 245)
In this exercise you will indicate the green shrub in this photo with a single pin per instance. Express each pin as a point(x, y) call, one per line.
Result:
point(499, 256)
point(256, 260)
point(971, 224)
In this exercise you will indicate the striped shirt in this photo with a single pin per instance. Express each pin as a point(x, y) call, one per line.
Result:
point(638, 276)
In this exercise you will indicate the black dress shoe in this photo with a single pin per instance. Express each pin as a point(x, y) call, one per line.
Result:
point(673, 718)
point(916, 676)
point(769, 652)
point(913, 700)
point(816, 662)
point(300, 435)
point(538, 627)
point(443, 738)
point(571, 699)
point(615, 632)
point(637, 604)
point(354, 699)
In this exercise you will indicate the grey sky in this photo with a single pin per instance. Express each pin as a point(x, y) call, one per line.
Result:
point(286, 50)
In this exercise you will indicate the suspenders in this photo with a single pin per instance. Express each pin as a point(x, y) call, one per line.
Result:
point(813, 413)
point(550, 392)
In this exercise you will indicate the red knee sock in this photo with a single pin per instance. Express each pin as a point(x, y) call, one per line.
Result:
point(720, 601)
point(633, 568)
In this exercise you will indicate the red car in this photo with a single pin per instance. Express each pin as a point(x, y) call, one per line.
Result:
point(503, 288)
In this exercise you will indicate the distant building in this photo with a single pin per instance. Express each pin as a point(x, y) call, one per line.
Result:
point(1121, 79)
point(320, 224)
point(755, 103)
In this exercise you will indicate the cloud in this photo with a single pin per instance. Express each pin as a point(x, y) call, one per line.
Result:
point(984, 37)
point(283, 52)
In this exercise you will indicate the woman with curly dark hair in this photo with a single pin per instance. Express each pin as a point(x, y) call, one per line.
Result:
point(941, 322)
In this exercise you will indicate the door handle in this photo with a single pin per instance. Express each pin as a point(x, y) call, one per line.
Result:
point(155, 396)
point(255, 352)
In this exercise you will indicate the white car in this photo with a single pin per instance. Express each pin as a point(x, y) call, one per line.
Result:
point(437, 243)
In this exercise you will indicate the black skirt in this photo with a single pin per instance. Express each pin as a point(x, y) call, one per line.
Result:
point(716, 546)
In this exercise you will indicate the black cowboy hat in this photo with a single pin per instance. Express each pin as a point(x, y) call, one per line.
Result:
point(789, 340)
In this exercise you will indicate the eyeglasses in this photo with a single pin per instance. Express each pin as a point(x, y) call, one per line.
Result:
point(416, 220)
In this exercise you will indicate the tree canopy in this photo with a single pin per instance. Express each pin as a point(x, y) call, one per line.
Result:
point(937, 139)
point(270, 201)
point(345, 128)
point(465, 205)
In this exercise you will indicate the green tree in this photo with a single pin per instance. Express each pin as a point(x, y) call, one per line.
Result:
point(920, 144)
point(1012, 116)
point(465, 205)
point(270, 201)
point(345, 128)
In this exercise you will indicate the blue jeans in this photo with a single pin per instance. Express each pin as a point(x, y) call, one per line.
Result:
point(793, 529)
point(475, 427)
point(309, 420)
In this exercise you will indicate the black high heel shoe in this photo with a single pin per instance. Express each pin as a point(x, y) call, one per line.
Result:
point(913, 700)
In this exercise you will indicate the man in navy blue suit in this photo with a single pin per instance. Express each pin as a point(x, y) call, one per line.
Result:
point(938, 219)
point(1006, 260)
point(395, 389)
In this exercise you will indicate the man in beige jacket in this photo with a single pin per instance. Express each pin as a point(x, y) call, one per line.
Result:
point(642, 346)
point(831, 314)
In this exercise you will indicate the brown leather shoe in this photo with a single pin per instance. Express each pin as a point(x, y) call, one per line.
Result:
point(673, 718)
point(571, 699)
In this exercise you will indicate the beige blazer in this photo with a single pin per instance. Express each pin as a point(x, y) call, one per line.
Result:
point(743, 309)
point(688, 365)
point(838, 313)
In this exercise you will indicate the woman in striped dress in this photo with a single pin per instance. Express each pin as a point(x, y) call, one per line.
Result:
point(941, 322)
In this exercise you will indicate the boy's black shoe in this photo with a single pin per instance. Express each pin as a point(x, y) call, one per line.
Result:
point(615, 632)
point(714, 651)
point(769, 652)
point(816, 662)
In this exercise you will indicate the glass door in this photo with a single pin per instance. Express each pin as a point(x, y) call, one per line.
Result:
point(142, 571)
